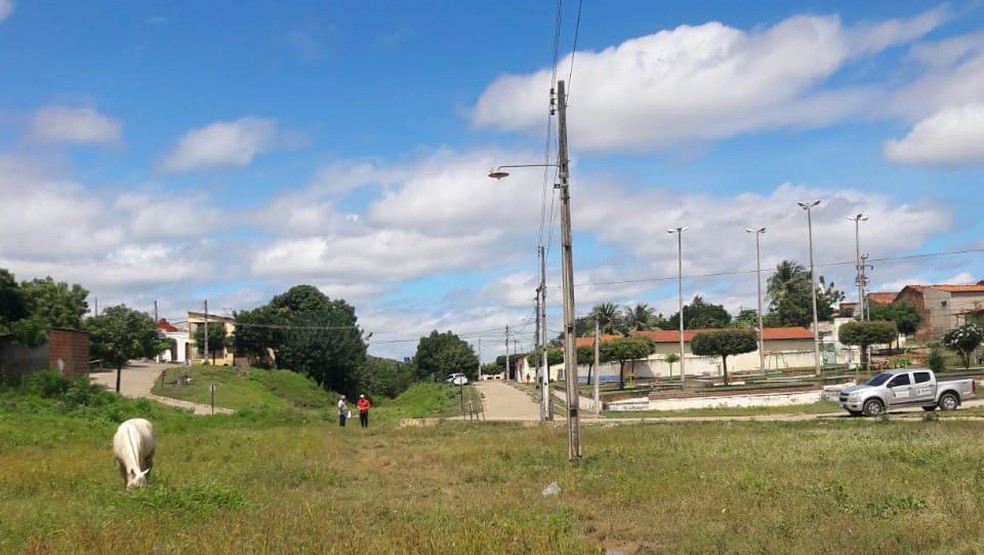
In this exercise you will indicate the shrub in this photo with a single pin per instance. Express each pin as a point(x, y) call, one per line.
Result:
point(936, 361)
point(48, 384)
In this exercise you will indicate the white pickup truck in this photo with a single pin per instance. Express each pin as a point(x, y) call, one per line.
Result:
point(909, 387)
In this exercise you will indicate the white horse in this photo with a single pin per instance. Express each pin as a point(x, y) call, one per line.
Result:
point(133, 446)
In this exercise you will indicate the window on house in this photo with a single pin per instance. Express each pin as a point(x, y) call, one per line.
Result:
point(943, 304)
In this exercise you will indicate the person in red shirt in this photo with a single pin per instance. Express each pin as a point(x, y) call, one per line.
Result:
point(363, 405)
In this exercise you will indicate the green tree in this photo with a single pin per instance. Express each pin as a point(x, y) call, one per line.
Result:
point(383, 377)
point(700, 314)
point(905, 314)
point(964, 340)
point(642, 317)
point(747, 318)
point(307, 333)
point(867, 333)
point(217, 337)
point(554, 356)
point(58, 304)
point(670, 359)
point(585, 357)
point(13, 305)
point(609, 318)
point(121, 334)
point(626, 350)
point(790, 298)
point(442, 354)
point(724, 343)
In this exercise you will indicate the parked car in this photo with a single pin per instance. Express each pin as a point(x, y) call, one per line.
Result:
point(909, 387)
point(457, 379)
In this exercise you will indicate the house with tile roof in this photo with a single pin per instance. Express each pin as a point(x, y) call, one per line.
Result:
point(943, 307)
point(784, 348)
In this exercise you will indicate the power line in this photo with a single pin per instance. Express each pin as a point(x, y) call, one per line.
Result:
point(577, 29)
point(743, 272)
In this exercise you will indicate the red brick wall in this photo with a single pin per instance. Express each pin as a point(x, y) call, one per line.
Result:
point(72, 348)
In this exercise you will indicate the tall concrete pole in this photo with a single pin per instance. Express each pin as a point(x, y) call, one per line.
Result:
point(679, 231)
point(205, 346)
point(857, 219)
point(547, 414)
point(813, 280)
point(567, 271)
point(597, 368)
point(758, 277)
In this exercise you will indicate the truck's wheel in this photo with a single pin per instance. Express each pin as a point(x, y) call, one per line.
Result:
point(949, 401)
point(929, 408)
point(873, 407)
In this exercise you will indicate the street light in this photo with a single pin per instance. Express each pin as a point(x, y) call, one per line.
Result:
point(679, 231)
point(808, 206)
point(857, 219)
point(758, 274)
point(497, 173)
point(567, 271)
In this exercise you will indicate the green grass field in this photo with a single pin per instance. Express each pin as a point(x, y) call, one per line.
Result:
point(290, 482)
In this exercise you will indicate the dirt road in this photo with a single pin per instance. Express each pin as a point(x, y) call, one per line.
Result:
point(137, 380)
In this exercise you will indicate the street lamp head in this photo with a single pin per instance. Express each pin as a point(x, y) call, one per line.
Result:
point(757, 230)
point(680, 229)
point(808, 205)
point(497, 173)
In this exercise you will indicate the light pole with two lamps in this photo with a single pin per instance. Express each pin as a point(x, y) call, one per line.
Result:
point(857, 219)
point(679, 231)
point(758, 275)
point(808, 206)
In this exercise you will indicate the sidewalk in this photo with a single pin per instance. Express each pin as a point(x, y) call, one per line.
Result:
point(503, 402)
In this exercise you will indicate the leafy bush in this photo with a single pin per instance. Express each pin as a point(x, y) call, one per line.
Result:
point(936, 361)
point(48, 384)
point(964, 340)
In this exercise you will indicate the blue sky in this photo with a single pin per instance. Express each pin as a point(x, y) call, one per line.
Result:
point(179, 151)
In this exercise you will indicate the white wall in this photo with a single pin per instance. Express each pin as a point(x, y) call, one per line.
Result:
point(181, 339)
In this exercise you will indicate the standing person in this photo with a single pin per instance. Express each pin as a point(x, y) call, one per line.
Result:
point(343, 411)
point(364, 406)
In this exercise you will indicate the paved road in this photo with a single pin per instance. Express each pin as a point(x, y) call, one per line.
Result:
point(504, 402)
point(501, 401)
point(138, 379)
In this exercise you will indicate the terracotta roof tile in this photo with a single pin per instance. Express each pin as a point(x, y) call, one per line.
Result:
point(882, 297)
point(164, 325)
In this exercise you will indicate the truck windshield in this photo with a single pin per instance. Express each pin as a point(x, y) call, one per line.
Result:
point(880, 378)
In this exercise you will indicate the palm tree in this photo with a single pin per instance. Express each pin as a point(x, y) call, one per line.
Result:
point(788, 275)
point(607, 315)
point(640, 317)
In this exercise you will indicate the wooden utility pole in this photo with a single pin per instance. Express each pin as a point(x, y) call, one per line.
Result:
point(507, 353)
point(567, 271)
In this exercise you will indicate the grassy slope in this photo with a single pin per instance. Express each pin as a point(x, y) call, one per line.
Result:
point(241, 388)
point(231, 485)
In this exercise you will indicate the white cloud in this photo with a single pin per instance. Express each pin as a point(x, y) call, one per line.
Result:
point(222, 144)
point(450, 193)
point(165, 216)
point(58, 227)
point(387, 255)
point(873, 38)
point(6, 8)
point(74, 125)
point(702, 83)
point(719, 244)
point(952, 137)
